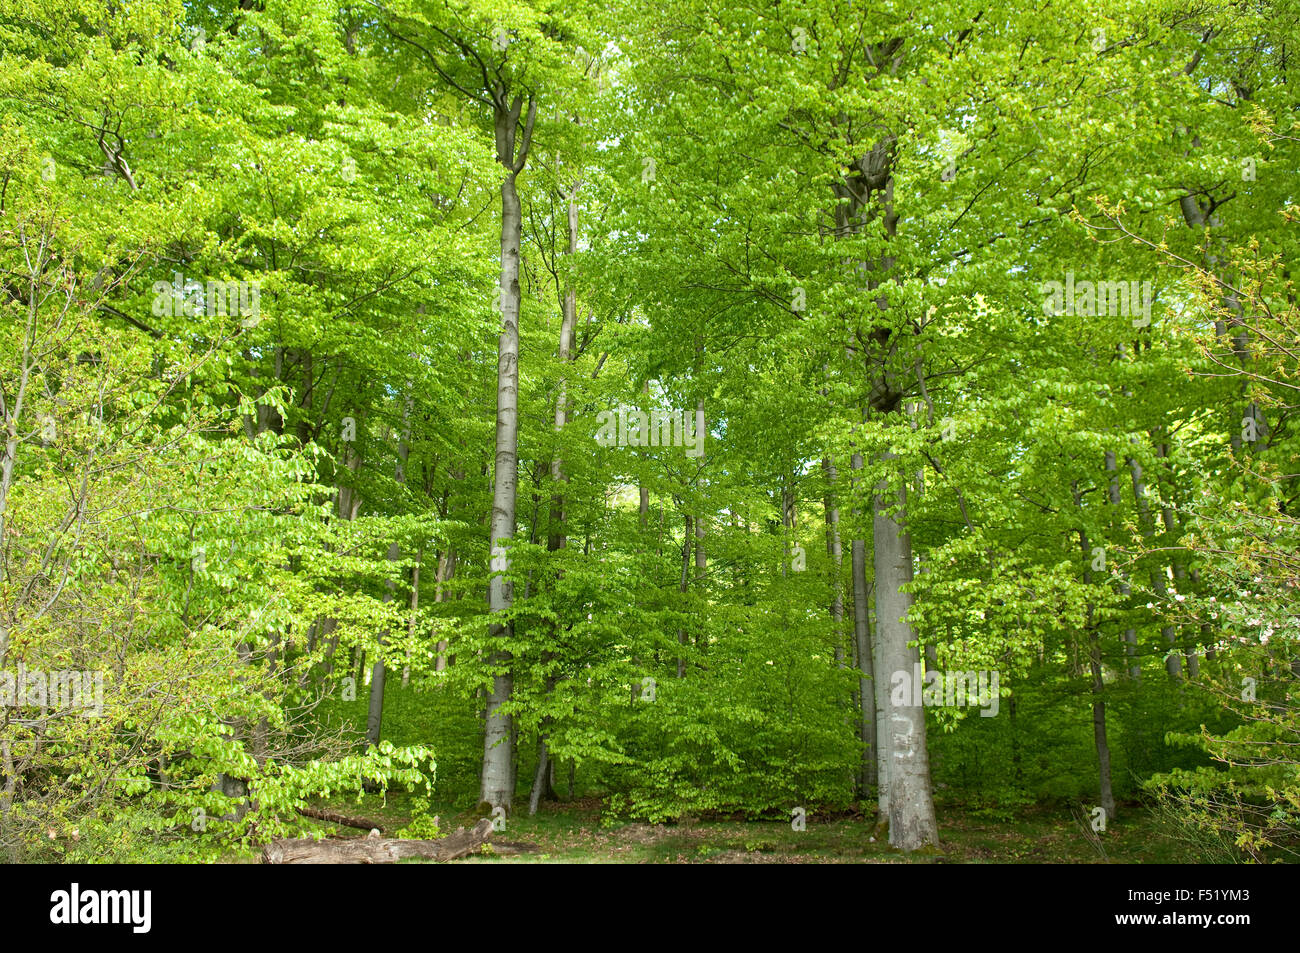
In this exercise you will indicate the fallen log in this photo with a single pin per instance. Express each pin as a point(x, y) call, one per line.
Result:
point(334, 817)
point(377, 850)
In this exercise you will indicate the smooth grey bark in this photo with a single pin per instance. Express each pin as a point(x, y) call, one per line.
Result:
point(1106, 793)
point(413, 609)
point(834, 550)
point(867, 190)
point(378, 672)
point(1199, 216)
point(787, 525)
point(682, 588)
point(931, 651)
point(544, 777)
point(911, 810)
point(267, 418)
point(539, 779)
point(643, 492)
point(1173, 661)
point(568, 326)
point(358, 663)
point(701, 571)
point(1172, 527)
point(868, 773)
point(874, 730)
point(446, 570)
point(558, 538)
point(1130, 634)
point(348, 506)
point(496, 788)
point(1099, 728)
point(882, 729)
point(835, 554)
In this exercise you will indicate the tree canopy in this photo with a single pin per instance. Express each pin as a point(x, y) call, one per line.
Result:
point(728, 409)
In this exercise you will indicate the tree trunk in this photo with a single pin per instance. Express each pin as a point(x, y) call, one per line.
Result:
point(349, 505)
point(1197, 216)
point(540, 778)
point(358, 664)
point(1173, 661)
point(1130, 634)
point(701, 569)
point(376, 850)
point(904, 779)
point(346, 820)
point(558, 537)
point(498, 748)
point(1098, 684)
point(568, 324)
point(868, 774)
point(1171, 524)
point(864, 777)
point(1099, 726)
point(881, 689)
point(911, 810)
point(446, 570)
point(375, 715)
point(686, 566)
point(413, 614)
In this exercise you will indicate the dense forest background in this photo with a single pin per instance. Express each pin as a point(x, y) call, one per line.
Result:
point(746, 409)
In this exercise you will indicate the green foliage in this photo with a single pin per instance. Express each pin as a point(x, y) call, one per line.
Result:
point(249, 324)
point(423, 825)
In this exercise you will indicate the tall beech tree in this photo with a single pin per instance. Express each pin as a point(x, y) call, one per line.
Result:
point(504, 62)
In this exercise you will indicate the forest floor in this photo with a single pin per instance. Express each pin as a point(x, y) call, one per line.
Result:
point(575, 832)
